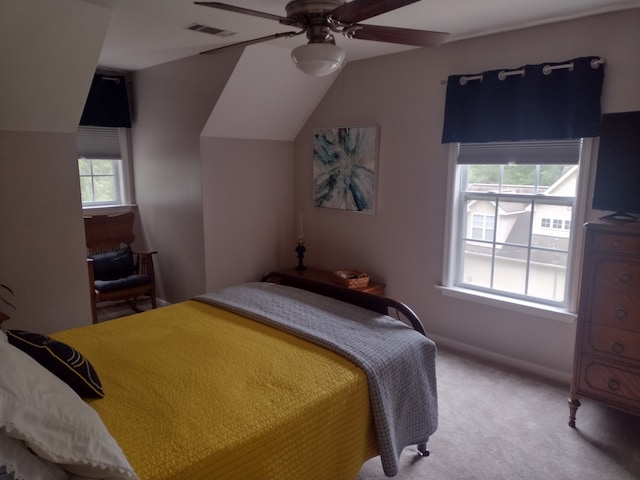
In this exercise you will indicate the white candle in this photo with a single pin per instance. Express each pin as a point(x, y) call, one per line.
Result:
point(300, 227)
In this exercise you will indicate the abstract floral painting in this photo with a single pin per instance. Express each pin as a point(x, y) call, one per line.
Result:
point(344, 168)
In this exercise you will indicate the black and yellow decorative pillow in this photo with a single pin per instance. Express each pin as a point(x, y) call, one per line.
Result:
point(60, 359)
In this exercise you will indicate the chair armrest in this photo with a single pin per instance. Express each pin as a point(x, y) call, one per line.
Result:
point(92, 275)
point(144, 263)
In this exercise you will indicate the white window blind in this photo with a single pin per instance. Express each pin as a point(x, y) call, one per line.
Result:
point(560, 152)
point(98, 142)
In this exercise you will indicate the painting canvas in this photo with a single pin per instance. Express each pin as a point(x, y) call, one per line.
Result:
point(344, 168)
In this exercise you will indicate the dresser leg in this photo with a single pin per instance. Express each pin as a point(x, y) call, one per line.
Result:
point(574, 403)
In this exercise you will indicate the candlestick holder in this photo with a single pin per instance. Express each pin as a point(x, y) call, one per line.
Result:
point(300, 251)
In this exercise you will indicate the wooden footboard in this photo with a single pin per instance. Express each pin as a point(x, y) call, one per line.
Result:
point(376, 303)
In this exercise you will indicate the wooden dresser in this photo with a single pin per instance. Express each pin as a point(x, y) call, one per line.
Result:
point(607, 354)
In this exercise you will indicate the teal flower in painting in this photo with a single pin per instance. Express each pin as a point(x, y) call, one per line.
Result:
point(344, 168)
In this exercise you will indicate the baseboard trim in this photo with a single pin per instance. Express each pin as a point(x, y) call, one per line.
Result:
point(550, 373)
point(162, 303)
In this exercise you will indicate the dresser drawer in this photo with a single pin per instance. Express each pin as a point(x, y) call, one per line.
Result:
point(608, 382)
point(615, 242)
point(620, 344)
point(616, 310)
point(616, 275)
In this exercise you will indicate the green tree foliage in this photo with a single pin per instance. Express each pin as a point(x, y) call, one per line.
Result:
point(515, 174)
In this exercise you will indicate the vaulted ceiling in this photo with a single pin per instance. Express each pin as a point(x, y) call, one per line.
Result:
point(143, 33)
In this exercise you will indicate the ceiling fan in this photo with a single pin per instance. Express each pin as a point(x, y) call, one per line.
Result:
point(320, 19)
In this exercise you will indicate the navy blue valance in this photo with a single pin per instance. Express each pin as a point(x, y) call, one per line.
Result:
point(108, 103)
point(551, 101)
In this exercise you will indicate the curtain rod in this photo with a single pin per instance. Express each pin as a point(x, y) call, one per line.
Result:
point(116, 80)
point(547, 69)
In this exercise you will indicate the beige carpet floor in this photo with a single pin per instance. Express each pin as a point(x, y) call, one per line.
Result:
point(500, 424)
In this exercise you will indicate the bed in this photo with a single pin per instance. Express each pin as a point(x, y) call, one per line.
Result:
point(281, 379)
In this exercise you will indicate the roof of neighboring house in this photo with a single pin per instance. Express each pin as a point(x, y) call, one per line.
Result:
point(506, 208)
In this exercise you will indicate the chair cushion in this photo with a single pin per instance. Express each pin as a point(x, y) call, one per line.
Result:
point(104, 286)
point(62, 360)
point(113, 265)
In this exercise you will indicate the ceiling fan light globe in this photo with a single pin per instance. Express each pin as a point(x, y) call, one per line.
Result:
point(318, 59)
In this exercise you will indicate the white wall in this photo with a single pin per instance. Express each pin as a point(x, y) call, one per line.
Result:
point(248, 209)
point(402, 244)
point(172, 103)
point(48, 53)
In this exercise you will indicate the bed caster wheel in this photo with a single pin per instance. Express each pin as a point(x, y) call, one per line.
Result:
point(422, 450)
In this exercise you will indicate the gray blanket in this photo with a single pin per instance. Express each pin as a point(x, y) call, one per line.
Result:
point(398, 361)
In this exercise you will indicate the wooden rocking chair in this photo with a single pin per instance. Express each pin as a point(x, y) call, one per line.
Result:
point(116, 273)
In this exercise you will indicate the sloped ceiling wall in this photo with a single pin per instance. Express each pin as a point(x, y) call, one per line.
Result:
point(248, 163)
point(266, 97)
point(49, 52)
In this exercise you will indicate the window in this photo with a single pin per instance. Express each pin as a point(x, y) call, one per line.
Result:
point(100, 181)
point(102, 166)
point(556, 223)
point(512, 206)
point(482, 226)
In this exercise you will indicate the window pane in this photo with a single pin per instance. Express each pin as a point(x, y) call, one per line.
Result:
point(84, 166)
point(519, 179)
point(514, 222)
point(482, 178)
point(477, 264)
point(547, 279)
point(102, 167)
point(86, 189)
point(99, 181)
point(104, 189)
point(551, 233)
point(510, 272)
point(550, 174)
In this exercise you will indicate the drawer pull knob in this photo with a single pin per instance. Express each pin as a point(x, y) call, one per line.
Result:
point(617, 347)
point(624, 277)
point(620, 313)
point(614, 384)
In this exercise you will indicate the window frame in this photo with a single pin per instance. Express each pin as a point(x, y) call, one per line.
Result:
point(125, 188)
point(453, 232)
point(117, 179)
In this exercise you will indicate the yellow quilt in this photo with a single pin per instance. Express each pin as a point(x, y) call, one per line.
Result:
point(196, 392)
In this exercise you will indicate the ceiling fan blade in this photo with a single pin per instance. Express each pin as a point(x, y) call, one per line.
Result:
point(358, 10)
point(251, 42)
point(247, 11)
point(403, 36)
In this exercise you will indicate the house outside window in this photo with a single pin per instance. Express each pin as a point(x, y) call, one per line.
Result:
point(103, 166)
point(512, 208)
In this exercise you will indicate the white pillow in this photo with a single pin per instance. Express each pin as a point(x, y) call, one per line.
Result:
point(53, 421)
point(25, 465)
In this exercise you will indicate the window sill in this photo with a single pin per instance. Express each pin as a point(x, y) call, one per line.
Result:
point(528, 308)
point(107, 210)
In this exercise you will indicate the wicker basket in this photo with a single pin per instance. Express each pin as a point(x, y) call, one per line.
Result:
point(351, 278)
